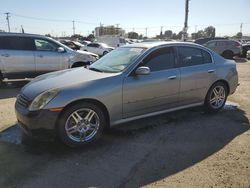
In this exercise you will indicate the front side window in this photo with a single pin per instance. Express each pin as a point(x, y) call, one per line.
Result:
point(189, 56)
point(44, 45)
point(160, 59)
point(16, 43)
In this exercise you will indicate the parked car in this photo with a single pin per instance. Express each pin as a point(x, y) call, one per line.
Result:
point(245, 48)
point(28, 55)
point(202, 41)
point(74, 45)
point(227, 48)
point(97, 48)
point(248, 55)
point(113, 41)
point(131, 82)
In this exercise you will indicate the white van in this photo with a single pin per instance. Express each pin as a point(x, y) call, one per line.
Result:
point(113, 41)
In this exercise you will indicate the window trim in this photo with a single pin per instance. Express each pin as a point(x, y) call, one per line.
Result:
point(178, 56)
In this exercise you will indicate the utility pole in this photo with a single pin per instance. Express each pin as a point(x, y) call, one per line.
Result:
point(8, 21)
point(241, 25)
point(74, 29)
point(146, 29)
point(184, 35)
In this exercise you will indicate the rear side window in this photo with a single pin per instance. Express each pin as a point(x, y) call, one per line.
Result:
point(16, 43)
point(160, 59)
point(206, 57)
point(189, 56)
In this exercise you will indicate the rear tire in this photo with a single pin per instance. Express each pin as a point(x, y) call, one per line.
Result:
point(216, 97)
point(228, 54)
point(81, 124)
point(2, 84)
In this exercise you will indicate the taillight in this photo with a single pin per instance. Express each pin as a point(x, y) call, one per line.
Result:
point(237, 44)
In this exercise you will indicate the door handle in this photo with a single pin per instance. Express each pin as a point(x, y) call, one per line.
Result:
point(210, 71)
point(172, 77)
point(5, 55)
point(41, 56)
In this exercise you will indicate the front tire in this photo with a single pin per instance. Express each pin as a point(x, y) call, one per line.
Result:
point(216, 97)
point(104, 53)
point(81, 124)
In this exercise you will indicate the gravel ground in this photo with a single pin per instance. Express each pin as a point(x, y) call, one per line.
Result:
point(181, 149)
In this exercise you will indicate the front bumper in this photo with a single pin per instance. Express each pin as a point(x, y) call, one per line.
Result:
point(36, 122)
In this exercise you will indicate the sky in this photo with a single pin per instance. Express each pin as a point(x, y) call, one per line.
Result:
point(56, 16)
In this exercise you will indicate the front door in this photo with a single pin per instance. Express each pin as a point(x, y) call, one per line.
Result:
point(154, 92)
point(47, 57)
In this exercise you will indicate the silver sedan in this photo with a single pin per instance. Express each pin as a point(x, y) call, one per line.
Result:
point(131, 82)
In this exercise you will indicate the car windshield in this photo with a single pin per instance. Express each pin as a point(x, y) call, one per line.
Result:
point(117, 60)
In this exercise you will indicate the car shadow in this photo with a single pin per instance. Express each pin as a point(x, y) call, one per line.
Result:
point(134, 154)
point(10, 90)
point(241, 60)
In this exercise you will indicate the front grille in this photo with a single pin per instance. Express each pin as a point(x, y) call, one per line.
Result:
point(23, 101)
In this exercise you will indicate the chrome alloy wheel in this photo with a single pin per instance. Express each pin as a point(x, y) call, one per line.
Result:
point(82, 125)
point(218, 97)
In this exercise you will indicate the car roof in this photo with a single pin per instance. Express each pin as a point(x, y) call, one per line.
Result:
point(21, 34)
point(160, 43)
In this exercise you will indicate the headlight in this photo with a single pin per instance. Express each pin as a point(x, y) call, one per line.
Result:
point(41, 100)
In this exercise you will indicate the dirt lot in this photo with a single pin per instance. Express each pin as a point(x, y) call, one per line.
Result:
point(182, 149)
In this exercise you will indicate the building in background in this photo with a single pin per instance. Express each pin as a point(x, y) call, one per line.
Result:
point(109, 30)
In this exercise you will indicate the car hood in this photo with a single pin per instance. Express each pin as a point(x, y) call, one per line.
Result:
point(61, 79)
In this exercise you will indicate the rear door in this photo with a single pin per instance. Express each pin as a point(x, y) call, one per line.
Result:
point(197, 74)
point(17, 57)
point(154, 92)
point(47, 57)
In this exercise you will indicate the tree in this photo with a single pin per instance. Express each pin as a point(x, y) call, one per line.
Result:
point(168, 34)
point(91, 37)
point(133, 35)
point(209, 31)
point(174, 36)
point(239, 35)
point(48, 35)
point(179, 35)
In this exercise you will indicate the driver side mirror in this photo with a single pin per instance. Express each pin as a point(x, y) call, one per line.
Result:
point(142, 71)
point(60, 50)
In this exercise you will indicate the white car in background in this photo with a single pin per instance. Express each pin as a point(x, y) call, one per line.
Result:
point(248, 54)
point(97, 48)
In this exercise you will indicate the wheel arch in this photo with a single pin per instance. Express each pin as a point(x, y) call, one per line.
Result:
point(223, 81)
point(78, 64)
point(93, 101)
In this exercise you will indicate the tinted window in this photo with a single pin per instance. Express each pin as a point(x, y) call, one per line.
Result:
point(44, 45)
point(160, 59)
point(189, 56)
point(206, 57)
point(16, 43)
point(90, 45)
point(211, 44)
point(221, 43)
point(96, 45)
